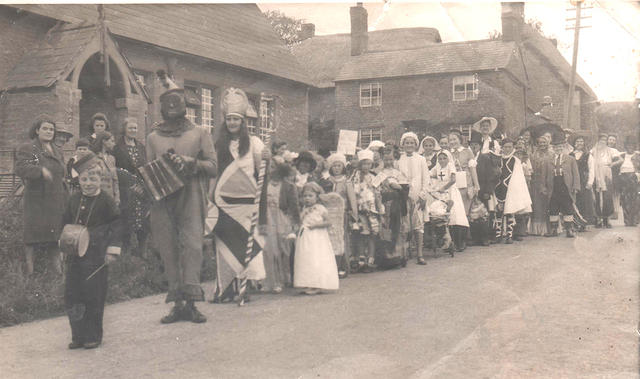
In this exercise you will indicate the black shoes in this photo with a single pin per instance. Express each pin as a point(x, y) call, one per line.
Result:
point(174, 315)
point(91, 345)
point(191, 313)
point(187, 312)
point(75, 345)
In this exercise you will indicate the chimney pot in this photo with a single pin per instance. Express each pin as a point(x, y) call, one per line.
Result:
point(359, 28)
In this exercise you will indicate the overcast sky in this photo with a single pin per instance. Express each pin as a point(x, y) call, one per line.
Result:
point(609, 54)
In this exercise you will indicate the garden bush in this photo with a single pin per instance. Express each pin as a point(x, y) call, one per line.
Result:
point(26, 298)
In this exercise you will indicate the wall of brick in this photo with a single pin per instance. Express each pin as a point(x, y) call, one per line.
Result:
point(430, 98)
point(322, 117)
point(19, 110)
point(544, 81)
point(21, 32)
point(290, 97)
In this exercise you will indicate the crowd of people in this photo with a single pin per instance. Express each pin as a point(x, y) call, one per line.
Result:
point(302, 219)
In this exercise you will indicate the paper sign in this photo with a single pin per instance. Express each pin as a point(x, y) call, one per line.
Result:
point(347, 142)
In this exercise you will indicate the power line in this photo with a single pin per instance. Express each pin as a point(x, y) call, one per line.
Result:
point(615, 19)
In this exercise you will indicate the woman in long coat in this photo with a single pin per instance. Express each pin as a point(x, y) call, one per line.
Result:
point(134, 203)
point(41, 166)
point(584, 197)
point(541, 185)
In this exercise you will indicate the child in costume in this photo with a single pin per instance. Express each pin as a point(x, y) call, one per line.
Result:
point(394, 188)
point(415, 169)
point(86, 277)
point(338, 183)
point(278, 220)
point(369, 209)
point(512, 194)
point(82, 147)
point(443, 178)
point(315, 266)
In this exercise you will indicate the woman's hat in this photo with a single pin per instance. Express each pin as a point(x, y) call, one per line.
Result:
point(492, 121)
point(305, 156)
point(410, 135)
point(365, 154)
point(375, 144)
point(235, 102)
point(62, 129)
point(337, 158)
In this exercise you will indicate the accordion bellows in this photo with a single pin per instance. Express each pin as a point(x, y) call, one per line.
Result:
point(161, 178)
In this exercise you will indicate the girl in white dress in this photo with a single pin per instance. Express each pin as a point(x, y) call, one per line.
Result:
point(443, 183)
point(314, 265)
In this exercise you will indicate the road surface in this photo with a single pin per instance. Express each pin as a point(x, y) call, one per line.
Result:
point(543, 308)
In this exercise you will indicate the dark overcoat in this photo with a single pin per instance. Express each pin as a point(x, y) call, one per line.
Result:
point(44, 200)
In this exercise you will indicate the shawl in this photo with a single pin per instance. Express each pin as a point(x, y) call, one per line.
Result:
point(518, 199)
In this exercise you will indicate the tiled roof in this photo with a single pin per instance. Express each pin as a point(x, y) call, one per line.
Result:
point(54, 58)
point(324, 56)
point(548, 50)
point(434, 59)
point(237, 34)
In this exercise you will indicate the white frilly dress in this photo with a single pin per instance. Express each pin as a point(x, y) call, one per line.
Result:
point(314, 263)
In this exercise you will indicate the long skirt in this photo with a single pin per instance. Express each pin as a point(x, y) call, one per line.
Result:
point(540, 215)
point(585, 204)
point(277, 252)
point(315, 263)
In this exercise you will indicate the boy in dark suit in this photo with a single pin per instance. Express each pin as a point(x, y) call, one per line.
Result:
point(86, 277)
point(566, 183)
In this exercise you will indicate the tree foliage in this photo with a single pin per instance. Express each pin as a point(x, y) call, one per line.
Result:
point(535, 24)
point(288, 28)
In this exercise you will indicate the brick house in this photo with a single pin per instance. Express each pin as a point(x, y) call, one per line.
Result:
point(51, 62)
point(394, 80)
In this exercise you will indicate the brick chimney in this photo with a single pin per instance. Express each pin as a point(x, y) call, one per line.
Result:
point(307, 31)
point(512, 21)
point(359, 28)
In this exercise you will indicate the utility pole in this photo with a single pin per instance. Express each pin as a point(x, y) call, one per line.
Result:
point(574, 61)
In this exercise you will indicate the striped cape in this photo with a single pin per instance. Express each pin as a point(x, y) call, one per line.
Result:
point(234, 196)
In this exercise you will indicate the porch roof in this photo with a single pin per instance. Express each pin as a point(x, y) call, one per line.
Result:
point(52, 59)
point(58, 54)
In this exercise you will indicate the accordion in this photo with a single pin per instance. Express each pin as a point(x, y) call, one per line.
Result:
point(161, 178)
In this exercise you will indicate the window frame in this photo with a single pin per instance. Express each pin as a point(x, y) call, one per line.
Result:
point(365, 136)
point(370, 100)
point(265, 123)
point(198, 119)
point(465, 80)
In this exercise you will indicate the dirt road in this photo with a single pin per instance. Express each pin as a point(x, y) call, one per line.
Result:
point(543, 308)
